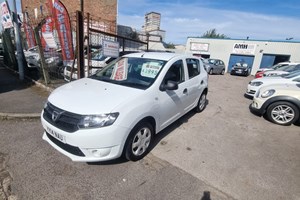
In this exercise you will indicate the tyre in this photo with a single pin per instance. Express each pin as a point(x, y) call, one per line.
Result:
point(282, 113)
point(201, 103)
point(210, 71)
point(138, 142)
point(223, 71)
point(61, 71)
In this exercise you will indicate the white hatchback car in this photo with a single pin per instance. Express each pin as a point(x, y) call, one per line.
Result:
point(118, 110)
point(283, 70)
point(279, 103)
point(257, 83)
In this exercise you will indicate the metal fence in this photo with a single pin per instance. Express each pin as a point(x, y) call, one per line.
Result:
point(46, 65)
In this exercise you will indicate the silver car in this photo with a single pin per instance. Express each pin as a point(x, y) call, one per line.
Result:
point(214, 66)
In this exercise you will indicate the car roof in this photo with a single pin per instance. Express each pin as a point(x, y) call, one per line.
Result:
point(155, 55)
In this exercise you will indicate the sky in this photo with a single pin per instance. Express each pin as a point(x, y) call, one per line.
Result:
point(237, 19)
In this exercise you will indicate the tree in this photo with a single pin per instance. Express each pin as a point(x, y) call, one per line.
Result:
point(212, 33)
point(169, 45)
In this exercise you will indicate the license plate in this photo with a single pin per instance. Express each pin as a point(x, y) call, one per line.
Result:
point(238, 72)
point(55, 134)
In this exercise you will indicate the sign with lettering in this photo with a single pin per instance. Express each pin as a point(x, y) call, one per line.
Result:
point(5, 15)
point(244, 48)
point(63, 26)
point(196, 46)
point(110, 48)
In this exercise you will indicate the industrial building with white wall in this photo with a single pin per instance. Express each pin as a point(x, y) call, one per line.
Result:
point(257, 53)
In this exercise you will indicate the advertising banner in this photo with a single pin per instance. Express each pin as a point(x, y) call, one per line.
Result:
point(5, 16)
point(63, 27)
point(29, 35)
point(48, 40)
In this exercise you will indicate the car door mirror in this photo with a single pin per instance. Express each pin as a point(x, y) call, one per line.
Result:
point(170, 85)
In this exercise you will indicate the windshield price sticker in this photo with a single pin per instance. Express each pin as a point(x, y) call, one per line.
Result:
point(150, 69)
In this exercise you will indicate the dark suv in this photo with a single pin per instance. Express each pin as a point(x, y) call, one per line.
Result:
point(241, 68)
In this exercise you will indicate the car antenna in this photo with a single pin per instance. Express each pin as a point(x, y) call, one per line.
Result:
point(142, 55)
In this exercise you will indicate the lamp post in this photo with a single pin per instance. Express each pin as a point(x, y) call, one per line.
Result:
point(20, 53)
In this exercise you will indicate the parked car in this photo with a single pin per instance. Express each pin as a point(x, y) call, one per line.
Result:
point(214, 66)
point(279, 103)
point(240, 68)
point(53, 60)
point(283, 70)
point(98, 61)
point(121, 107)
point(257, 83)
point(277, 66)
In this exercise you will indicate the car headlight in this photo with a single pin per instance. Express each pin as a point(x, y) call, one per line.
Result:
point(95, 121)
point(206, 67)
point(256, 83)
point(267, 93)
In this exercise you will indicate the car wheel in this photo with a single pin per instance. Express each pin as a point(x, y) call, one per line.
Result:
point(138, 141)
point(210, 71)
point(282, 113)
point(61, 71)
point(201, 103)
point(223, 71)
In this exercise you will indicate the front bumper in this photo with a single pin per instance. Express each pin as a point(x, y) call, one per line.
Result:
point(87, 145)
point(239, 72)
point(251, 90)
point(257, 107)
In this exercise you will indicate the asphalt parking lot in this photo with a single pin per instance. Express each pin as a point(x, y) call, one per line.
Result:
point(226, 151)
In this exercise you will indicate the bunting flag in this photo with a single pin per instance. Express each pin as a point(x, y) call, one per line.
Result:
point(63, 27)
point(48, 41)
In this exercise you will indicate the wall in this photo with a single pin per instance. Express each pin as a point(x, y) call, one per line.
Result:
point(102, 9)
point(223, 48)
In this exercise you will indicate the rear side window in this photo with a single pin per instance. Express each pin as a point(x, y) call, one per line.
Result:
point(193, 66)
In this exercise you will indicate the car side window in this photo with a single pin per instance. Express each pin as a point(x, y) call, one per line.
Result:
point(193, 66)
point(175, 73)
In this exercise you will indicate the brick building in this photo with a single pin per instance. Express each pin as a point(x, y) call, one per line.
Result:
point(100, 10)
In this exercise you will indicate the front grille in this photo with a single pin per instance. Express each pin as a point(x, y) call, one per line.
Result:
point(66, 121)
point(69, 148)
point(251, 92)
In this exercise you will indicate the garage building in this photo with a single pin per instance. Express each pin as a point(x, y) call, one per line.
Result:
point(256, 53)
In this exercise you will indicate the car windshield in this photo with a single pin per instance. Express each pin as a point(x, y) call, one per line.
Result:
point(132, 72)
point(291, 75)
point(286, 67)
point(211, 61)
point(277, 66)
point(98, 56)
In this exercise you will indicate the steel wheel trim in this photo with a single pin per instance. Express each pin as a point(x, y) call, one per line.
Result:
point(283, 114)
point(202, 101)
point(141, 141)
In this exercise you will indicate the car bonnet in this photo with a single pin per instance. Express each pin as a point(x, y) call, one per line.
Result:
point(89, 96)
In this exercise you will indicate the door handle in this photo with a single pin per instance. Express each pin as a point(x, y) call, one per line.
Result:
point(185, 91)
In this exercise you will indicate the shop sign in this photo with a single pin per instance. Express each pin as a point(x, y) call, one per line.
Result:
point(196, 46)
point(244, 48)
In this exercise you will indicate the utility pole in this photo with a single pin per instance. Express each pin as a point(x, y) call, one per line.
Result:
point(20, 53)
